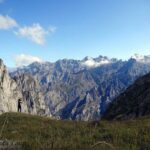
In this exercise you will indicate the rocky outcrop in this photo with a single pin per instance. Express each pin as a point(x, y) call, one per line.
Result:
point(32, 94)
point(9, 92)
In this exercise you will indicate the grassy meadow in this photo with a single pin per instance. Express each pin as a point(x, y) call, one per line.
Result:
point(42, 133)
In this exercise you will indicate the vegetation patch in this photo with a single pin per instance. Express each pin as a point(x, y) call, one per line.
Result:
point(41, 133)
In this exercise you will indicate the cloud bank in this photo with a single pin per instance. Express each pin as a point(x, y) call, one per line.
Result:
point(7, 22)
point(24, 60)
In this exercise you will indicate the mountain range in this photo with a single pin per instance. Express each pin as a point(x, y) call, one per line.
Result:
point(72, 89)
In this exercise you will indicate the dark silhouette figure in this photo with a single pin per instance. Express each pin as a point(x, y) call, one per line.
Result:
point(19, 105)
point(32, 104)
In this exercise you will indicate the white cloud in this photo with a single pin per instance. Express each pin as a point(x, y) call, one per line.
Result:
point(90, 62)
point(24, 60)
point(7, 22)
point(35, 33)
point(141, 58)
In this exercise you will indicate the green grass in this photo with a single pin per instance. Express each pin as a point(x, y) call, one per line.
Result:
point(39, 133)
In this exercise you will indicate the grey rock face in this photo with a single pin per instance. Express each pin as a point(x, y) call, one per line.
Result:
point(73, 89)
point(32, 94)
point(9, 92)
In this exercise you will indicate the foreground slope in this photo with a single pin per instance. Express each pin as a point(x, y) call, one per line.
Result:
point(33, 132)
point(132, 103)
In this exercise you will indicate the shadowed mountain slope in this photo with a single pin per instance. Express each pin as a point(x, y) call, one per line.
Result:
point(132, 103)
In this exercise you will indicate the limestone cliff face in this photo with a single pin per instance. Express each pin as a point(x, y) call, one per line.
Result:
point(9, 92)
point(32, 94)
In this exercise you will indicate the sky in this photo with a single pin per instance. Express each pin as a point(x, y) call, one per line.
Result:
point(48, 30)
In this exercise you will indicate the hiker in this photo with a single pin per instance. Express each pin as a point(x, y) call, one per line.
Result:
point(19, 105)
point(32, 104)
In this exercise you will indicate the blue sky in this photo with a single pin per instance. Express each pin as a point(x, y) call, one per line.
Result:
point(56, 29)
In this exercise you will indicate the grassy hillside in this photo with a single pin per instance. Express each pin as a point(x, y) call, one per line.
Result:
point(34, 132)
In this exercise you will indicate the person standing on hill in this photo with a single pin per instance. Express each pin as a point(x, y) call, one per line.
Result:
point(19, 105)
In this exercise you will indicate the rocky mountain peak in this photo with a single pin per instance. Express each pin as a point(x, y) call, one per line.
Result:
point(141, 58)
point(95, 62)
